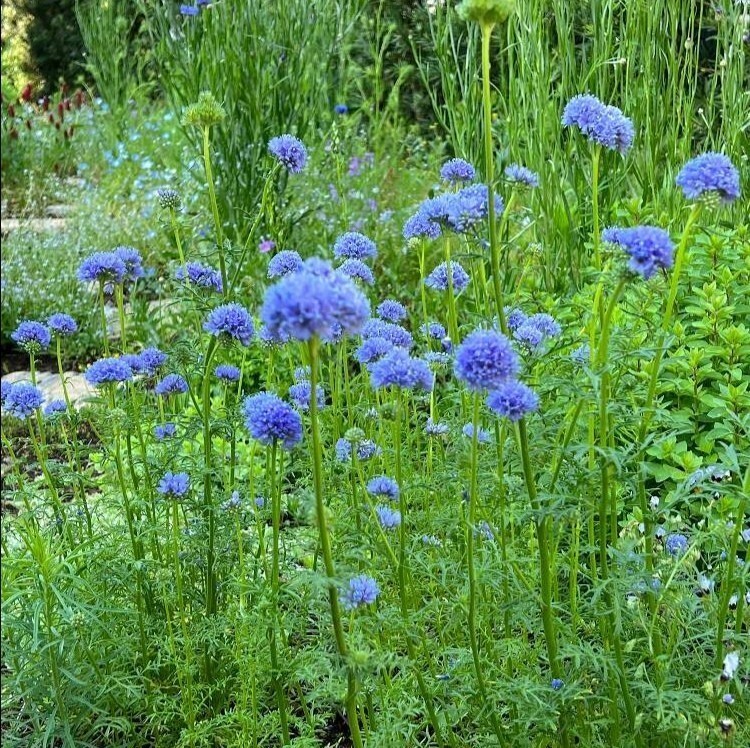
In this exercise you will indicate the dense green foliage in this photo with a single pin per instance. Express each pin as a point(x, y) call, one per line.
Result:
point(578, 577)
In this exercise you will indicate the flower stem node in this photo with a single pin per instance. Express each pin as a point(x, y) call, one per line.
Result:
point(486, 12)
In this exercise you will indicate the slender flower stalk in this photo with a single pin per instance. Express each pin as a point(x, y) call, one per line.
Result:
point(489, 168)
point(325, 543)
point(214, 207)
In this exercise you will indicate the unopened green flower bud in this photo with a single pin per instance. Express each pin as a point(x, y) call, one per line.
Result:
point(354, 436)
point(205, 112)
point(486, 12)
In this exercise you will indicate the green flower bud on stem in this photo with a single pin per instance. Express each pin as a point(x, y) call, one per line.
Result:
point(206, 112)
point(486, 12)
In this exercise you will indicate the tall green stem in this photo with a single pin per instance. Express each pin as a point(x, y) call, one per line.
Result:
point(325, 543)
point(489, 168)
point(214, 207)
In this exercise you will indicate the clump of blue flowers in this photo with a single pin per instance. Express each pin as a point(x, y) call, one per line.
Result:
point(383, 486)
point(108, 371)
point(270, 420)
point(355, 246)
point(649, 248)
point(486, 360)
point(710, 174)
point(172, 384)
point(361, 590)
point(200, 275)
point(62, 324)
point(513, 400)
point(285, 262)
point(457, 170)
point(289, 151)
point(438, 278)
point(601, 124)
point(398, 369)
point(227, 373)
point(174, 485)
point(102, 267)
point(32, 336)
point(230, 322)
point(22, 399)
point(314, 301)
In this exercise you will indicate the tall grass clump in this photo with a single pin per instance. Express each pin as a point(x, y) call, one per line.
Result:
point(399, 492)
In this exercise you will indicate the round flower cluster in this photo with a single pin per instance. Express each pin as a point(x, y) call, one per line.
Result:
point(355, 246)
point(200, 275)
point(22, 399)
point(389, 518)
point(521, 176)
point(132, 260)
point(270, 420)
point(165, 431)
point(513, 400)
point(398, 369)
point(457, 170)
point(373, 349)
point(147, 362)
point(174, 485)
point(32, 336)
point(314, 301)
point(365, 450)
point(102, 267)
point(391, 310)
point(230, 321)
point(62, 324)
point(289, 151)
point(54, 408)
point(601, 124)
point(709, 174)
point(108, 371)
point(361, 590)
point(649, 247)
point(485, 360)
point(169, 199)
point(172, 384)
point(285, 262)
point(301, 393)
point(227, 373)
point(383, 486)
point(393, 333)
point(438, 278)
point(357, 270)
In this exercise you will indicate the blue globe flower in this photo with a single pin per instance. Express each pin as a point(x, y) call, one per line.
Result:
point(711, 173)
point(227, 373)
point(457, 170)
point(314, 301)
point(355, 246)
point(649, 247)
point(438, 278)
point(601, 124)
point(33, 336)
point(22, 400)
point(172, 384)
point(174, 485)
point(361, 590)
point(102, 267)
point(62, 324)
point(202, 276)
point(521, 176)
point(486, 360)
point(230, 321)
point(270, 420)
point(391, 310)
point(357, 270)
point(285, 262)
point(383, 486)
point(513, 400)
point(108, 371)
point(289, 151)
point(398, 369)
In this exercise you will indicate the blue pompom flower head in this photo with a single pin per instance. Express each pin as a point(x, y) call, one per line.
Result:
point(301, 392)
point(398, 369)
point(174, 485)
point(147, 362)
point(438, 278)
point(372, 349)
point(361, 590)
point(102, 267)
point(164, 431)
point(389, 518)
point(483, 436)
point(355, 246)
point(285, 262)
point(676, 544)
point(22, 400)
point(202, 276)
point(357, 270)
point(32, 336)
point(133, 261)
point(710, 175)
point(314, 301)
point(513, 400)
point(391, 310)
point(390, 331)
point(486, 360)
point(62, 324)
point(601, 124)
point(421, 226)
point(227, 373)
point(108, 371)
point(270, 420)
point(457, 170)
point(289, 151)
point(521, 176)
point(649, 247)
point(172, 384)
point(341, 109)
point(55, 408)
point(230, 322)
point(383, 486)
